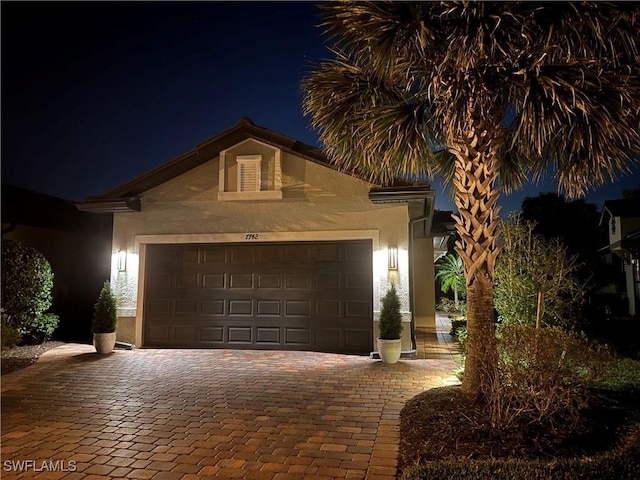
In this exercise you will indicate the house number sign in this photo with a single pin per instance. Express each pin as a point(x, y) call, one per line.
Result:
point(251, 236)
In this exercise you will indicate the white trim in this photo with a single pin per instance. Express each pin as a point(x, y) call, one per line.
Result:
point(256, 237)
point(262, 195)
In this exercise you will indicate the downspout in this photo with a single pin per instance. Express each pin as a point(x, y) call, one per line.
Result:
point(412, 222)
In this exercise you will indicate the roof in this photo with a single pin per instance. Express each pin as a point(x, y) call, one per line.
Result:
point(124, 197)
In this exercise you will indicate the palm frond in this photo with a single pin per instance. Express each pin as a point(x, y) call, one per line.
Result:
point(377, 127)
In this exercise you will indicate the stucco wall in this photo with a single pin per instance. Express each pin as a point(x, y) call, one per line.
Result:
point(315, 199)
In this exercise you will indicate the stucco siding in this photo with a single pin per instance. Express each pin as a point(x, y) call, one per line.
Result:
point(315, 199)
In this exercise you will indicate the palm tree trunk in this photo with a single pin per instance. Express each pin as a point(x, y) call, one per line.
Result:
point(455, 296)
point(476, 223)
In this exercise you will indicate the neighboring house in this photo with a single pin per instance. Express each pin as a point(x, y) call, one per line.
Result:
point(622, 219)
point(76, 244)
point(253, 240)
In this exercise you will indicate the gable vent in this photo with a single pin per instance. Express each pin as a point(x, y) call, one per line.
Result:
point(249, 173)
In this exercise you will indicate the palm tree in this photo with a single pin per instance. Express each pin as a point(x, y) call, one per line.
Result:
point(451, 272)
point(488, 94)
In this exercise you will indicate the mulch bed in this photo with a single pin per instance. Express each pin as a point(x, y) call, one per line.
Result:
point(445, 424)
point(17, 358)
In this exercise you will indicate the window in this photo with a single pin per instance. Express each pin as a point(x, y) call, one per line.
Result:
point(249, 173)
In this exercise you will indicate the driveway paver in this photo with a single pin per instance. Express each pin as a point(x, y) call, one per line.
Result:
point(188, 414)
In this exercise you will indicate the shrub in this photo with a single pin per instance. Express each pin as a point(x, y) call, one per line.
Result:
point(9, 335)
point(390, 323)
point(27, 281)
point(105, 317)
point(40, 328)
point(446, 305)
point(461, 338)
point(529, 264)
point(543, 376)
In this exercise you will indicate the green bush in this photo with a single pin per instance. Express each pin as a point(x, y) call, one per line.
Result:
point(105, 317)
point(390, 323)
point(461, 338)
point(620, 464)
point(529, 264)
point(27, 281)
point(40, 328)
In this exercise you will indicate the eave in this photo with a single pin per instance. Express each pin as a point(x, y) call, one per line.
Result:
point(401, 194)
point(115, 205)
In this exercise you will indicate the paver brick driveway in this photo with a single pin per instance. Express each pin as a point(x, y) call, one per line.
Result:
point(182, 414)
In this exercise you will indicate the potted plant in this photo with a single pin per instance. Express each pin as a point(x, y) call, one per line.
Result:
point(105, 321)
point(390, 327)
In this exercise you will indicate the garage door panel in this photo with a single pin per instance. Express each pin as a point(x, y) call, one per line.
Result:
point(269, 280)
point(241, 255)
point(241, 307)
point(190, 256)
point(329, 308)
point(214, 280)
point(296, 336)
point(213, 307)
point(329, 336)
point(158, 334)
point(188, 280)
point(268, 335)
point(357, 309)
point(305, 296)
point(298, 280)
point(356, 339)
point(297, 308)
point(328, 280)
point(269, 308)
point(239, 334)
point(212, 334)
point(213, 255)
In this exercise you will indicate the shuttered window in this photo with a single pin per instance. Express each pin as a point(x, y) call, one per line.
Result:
point(249, 173)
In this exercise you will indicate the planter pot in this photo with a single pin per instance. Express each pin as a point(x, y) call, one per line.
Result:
point(104, 342)
point(389, 350)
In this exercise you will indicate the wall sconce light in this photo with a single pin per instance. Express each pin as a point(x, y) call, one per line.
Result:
point(393, 257)
point(122, 261)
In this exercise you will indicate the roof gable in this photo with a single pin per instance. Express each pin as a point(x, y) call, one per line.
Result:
point(242, 131)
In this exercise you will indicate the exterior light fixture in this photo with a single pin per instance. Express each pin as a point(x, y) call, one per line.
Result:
point(393, 257)
point(122, 261)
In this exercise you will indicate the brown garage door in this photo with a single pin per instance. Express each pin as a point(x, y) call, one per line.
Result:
point(285, 296)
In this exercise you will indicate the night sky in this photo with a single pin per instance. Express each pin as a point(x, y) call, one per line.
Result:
point(94, 94)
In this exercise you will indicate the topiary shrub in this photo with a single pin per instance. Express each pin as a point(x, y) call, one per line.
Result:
point(390, 323)
point(105, 317)
point(27, 281)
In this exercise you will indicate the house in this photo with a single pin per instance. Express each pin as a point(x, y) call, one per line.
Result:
point(254, 240)
point(76, 244)
point(622, 219)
